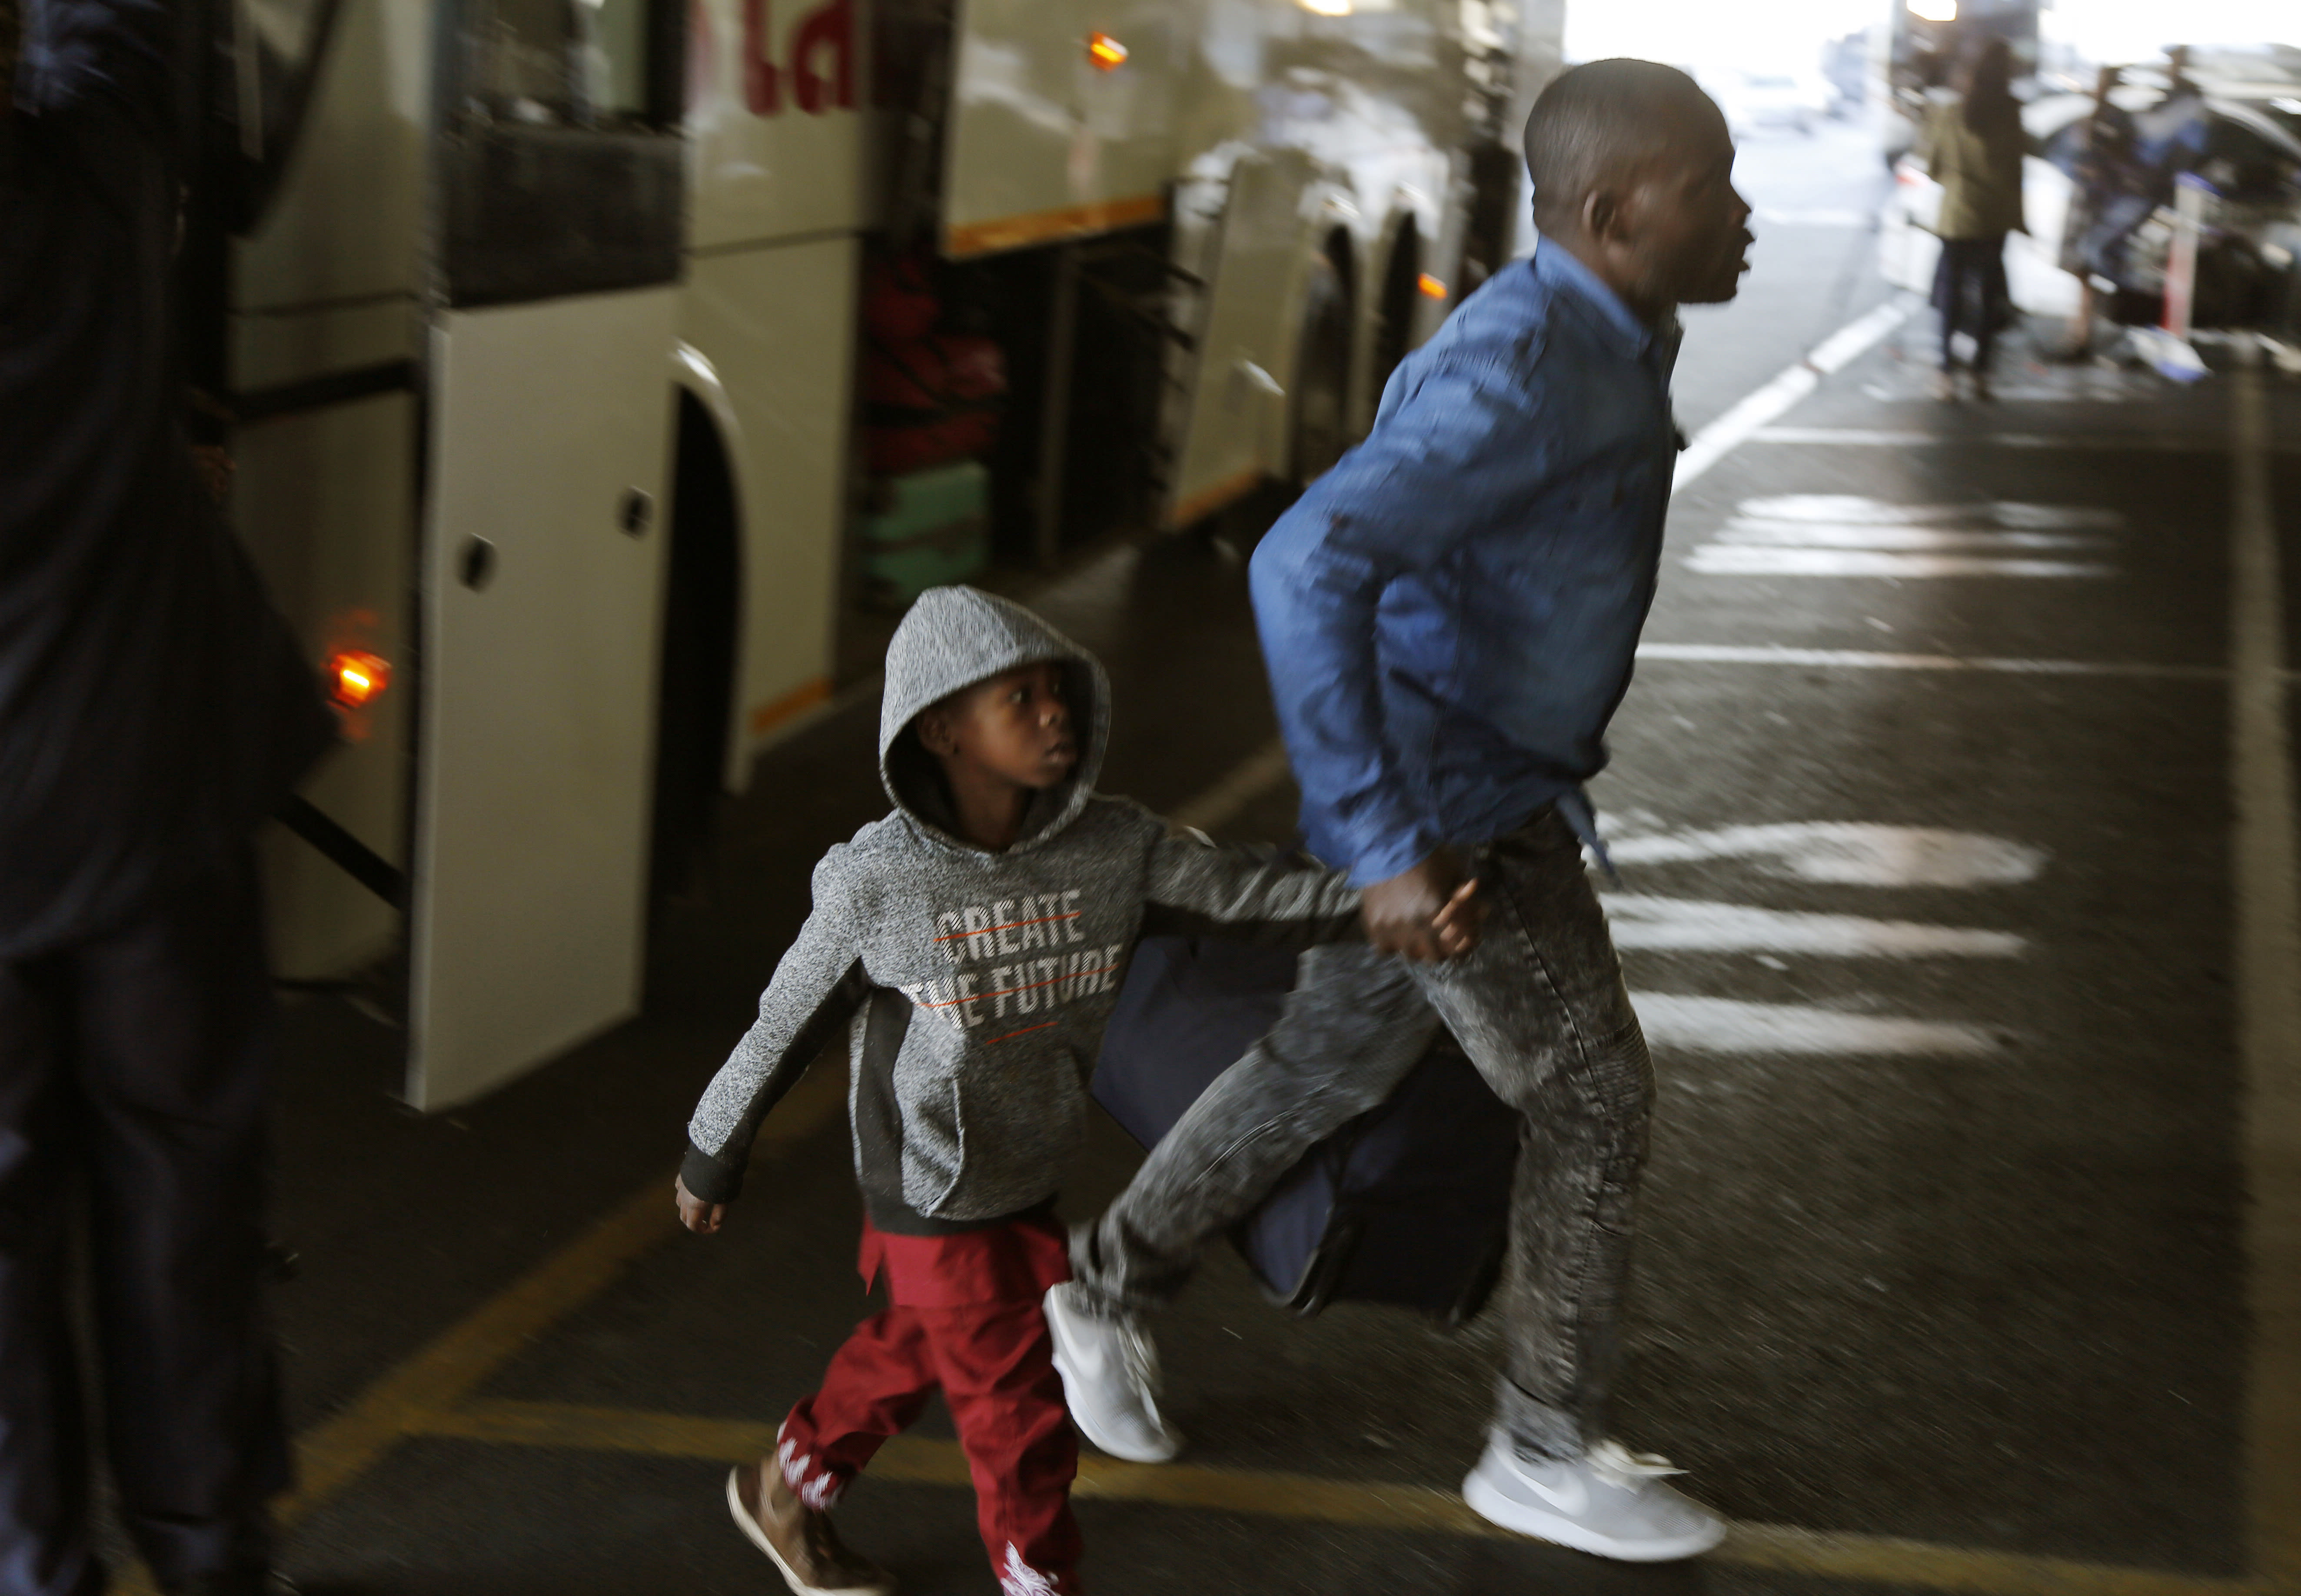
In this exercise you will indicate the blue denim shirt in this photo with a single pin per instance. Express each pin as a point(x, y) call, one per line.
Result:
point(1449, 615)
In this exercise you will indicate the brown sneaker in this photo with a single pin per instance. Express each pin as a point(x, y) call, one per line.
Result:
point(800, 1540)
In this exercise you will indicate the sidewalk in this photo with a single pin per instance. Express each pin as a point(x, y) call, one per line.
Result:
point(1957, 947)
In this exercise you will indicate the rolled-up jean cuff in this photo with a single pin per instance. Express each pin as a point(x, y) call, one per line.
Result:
point(1092, 1288)
point(1538, 1431)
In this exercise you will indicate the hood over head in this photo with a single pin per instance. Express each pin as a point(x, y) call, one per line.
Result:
point(953, 638)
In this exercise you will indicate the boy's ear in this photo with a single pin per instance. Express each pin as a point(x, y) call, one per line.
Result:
point(933, 729)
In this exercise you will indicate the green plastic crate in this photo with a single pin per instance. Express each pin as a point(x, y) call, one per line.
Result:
point(935, 529)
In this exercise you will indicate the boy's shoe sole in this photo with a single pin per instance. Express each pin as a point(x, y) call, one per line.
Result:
point(758, 1538)
point(1489, 1503)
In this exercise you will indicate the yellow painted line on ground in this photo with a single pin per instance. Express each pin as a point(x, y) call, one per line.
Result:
point(778, 713)
point(407, 1400)
point(2268, 944)
point(1206, 500)
point(416, 1396)
point(908, 1460)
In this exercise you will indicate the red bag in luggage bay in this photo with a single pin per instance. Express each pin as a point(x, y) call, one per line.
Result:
point(929, 398)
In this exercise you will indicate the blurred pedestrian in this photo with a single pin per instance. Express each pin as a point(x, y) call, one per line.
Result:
point(2170, 136)
point(1973, 145)
point(153, 710)
point(2100, 180)
point(1449, 618)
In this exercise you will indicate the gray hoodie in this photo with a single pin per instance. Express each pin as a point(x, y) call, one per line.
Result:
point(975, 985)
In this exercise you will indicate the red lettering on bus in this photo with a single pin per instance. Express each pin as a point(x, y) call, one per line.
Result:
point(762, 86)
point(829, 27)
point(821, 61)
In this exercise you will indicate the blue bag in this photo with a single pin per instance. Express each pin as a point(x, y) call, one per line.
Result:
point(1408, 1204)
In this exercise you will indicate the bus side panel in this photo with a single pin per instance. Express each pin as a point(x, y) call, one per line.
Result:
point(777, 323)
point(1044, 144)
point(776, 89)
point(324, 500)
point(345, 222)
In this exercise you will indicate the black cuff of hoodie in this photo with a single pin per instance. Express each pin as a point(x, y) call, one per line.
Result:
point(707, 1178)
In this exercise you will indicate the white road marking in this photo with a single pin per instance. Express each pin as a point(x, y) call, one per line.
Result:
point(1693, 926)
point(2079, 387)
point(1846, 535)
point(1728, 1025)
point(1713, 560)
point(1755, 410)
point(1852, 852)
point(1860, 508)
point(1877, 437)
point(1857, 659)
point(2268, 947)
point(1840, 348)
point(1750, 532)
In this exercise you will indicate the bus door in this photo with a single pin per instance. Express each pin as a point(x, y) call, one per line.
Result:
point(556, 206)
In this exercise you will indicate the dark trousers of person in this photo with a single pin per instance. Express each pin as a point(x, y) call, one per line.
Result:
point(1971, 296)
point(134, 1072)
point(1540, 1009)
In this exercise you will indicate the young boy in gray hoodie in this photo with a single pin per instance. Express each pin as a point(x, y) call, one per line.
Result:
point(972, 944)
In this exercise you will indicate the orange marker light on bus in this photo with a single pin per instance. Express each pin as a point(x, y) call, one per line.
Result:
point(1430, 287)
point(1106, 52)
point(355, 677)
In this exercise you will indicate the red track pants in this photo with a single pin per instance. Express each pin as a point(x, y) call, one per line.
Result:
point(992, 1360)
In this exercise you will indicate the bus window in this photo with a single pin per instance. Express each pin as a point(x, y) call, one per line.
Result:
point(275, 48)
point(616, 57)
point(562, 174)
point(578, 63)
point(526, 63)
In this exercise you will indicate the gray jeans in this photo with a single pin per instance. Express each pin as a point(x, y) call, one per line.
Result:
point(1540, 1009)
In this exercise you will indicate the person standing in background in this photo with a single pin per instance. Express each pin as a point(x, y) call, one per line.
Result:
point(1973, 145)
point(2099, 180)
point(154, 710)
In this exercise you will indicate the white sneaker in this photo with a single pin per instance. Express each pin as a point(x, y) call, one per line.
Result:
point(1110, 1379)
point(1609, 1501)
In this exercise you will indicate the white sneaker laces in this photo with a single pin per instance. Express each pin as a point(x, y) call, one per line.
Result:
point(1617, 1465)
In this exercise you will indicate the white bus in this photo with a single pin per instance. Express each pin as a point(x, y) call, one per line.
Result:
point(542, 341)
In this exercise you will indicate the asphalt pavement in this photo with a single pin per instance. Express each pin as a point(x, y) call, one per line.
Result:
point(1955, 881)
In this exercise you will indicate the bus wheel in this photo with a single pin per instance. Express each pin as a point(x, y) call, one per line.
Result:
point(1322, 369)
point(1394, 331)
point(695, 686)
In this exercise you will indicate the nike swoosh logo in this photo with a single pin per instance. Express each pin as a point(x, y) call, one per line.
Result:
point(1572, 1498)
